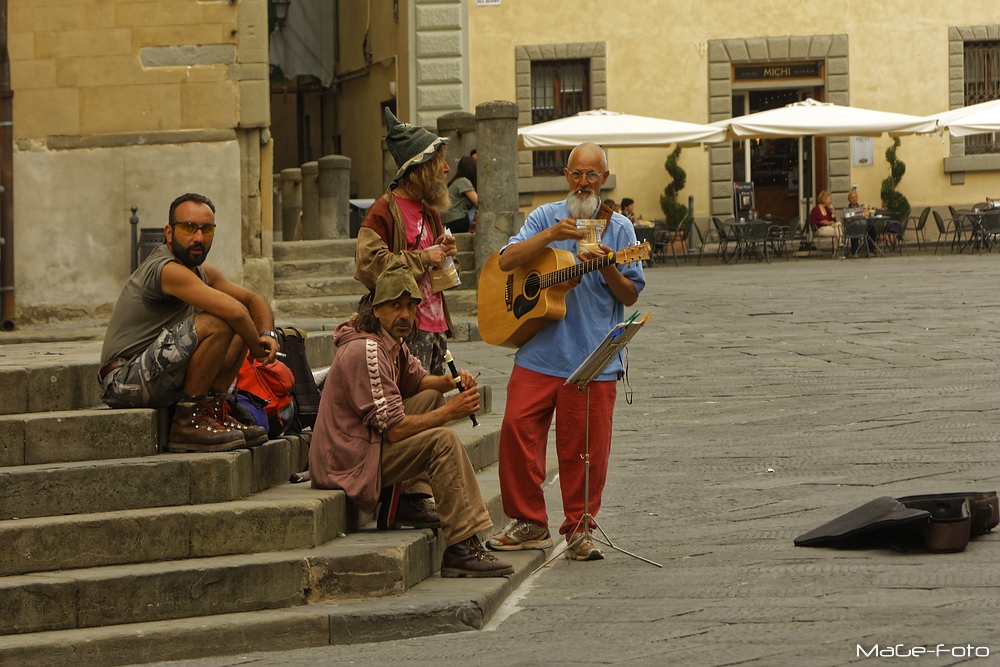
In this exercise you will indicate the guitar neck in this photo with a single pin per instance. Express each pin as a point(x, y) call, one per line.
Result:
point(575, 271)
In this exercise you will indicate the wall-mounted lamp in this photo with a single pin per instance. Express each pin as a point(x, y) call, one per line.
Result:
point(280, 12)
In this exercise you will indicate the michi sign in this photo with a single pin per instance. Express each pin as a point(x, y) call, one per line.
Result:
point(776, 72)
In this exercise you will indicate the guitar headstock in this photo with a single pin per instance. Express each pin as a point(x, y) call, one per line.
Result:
point(634, 253)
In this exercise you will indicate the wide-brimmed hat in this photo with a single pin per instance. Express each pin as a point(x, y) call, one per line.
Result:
point(396, 279)
point(408, 144)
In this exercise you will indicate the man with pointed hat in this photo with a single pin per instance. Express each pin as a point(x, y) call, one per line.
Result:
point(382, 420)
point(405, 223)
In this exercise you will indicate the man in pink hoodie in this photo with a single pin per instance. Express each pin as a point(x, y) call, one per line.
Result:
point(382, 421)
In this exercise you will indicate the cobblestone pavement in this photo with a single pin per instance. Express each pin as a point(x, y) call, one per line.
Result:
point(766, 400)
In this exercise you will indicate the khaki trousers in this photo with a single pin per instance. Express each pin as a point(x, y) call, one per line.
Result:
point(439, 453)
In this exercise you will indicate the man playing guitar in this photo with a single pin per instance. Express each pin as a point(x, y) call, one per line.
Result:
point(537, 386)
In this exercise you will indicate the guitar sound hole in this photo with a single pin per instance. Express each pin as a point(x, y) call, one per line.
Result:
point(531, 286)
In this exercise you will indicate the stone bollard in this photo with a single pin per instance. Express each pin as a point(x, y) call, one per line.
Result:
point(310, 201)
point(277, 230)
point(291, 201)
point(334, 197)
point(389, 168)
point(496, 170)
point(460, 127)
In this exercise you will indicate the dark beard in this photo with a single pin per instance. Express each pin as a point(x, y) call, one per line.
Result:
point(183, 254)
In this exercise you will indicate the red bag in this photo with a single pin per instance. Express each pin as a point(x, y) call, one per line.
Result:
point(272, 385)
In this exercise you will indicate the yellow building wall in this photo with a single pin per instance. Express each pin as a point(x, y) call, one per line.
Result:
point(657, 65)
point(120, 103)
point(364, 88)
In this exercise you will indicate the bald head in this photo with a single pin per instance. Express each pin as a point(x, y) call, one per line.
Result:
point(589, 152)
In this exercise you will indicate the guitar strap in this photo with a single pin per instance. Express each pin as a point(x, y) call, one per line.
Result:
point(604, 214)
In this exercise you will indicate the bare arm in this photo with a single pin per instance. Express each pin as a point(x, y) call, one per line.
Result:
point(240, 308)
point(524, 251)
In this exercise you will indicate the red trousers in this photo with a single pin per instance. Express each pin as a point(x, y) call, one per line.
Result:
point(531, 400)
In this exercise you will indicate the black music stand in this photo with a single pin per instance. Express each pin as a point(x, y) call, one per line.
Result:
point(589, 370)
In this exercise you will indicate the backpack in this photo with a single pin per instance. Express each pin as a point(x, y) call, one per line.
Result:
point(305, 392)
point(269, 387)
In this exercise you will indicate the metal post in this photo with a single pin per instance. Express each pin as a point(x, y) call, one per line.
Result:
point(134, 221)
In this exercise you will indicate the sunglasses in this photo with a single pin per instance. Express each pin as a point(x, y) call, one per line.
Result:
point(207, 229)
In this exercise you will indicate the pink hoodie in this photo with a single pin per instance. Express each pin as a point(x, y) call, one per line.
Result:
point(363, 397)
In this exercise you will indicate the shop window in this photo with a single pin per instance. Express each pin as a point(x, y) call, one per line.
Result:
point(982, 84)
point(559, 88)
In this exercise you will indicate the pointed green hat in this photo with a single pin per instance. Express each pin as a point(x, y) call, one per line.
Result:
point(408, 144)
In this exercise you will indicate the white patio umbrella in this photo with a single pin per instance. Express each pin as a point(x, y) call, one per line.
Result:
point(975, 119)
point(810, 118)
point(610, 128)
point(821, 119)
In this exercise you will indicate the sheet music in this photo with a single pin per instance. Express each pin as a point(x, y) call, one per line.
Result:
point(608, 349)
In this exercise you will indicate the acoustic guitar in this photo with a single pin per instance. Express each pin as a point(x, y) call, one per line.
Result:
point(515, 305)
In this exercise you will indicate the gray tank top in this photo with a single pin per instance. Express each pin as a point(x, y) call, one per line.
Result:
point(143, 310)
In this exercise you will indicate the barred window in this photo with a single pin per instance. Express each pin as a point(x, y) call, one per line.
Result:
point(982, 84)
point(559, 88)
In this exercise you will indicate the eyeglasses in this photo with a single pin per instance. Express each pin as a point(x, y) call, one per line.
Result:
point(207, 229)
point(592, 176)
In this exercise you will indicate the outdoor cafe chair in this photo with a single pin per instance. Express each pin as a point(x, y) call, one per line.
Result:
point(755, 240)
point(694, 233)
point(855, 229)
point(945, 228)
point(726, 236)
point(918, 229)
point(989, 229)
point(778, 237)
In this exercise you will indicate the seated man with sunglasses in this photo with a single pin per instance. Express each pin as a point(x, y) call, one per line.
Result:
point(179, 334)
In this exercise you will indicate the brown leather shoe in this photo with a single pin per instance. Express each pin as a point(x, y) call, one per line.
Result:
point(469, 558)
point(253, 435)
point(195, 428)
point(417, 511)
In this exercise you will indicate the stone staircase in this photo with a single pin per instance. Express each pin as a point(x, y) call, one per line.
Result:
point(315, 279)
point(112, 553)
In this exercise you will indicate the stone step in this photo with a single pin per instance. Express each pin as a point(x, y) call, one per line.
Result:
point(461, 303)
point(434, 606)
point(323, 249)
point(49, 387)
point(288, 516)
point(317, 286)
point(76, 435)
point(366, 564)
point(164, 480)
point(341, 267)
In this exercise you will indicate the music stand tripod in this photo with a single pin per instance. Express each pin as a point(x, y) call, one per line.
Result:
point(588, 371)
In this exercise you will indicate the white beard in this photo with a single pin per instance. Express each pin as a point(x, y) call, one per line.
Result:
point(583, 207)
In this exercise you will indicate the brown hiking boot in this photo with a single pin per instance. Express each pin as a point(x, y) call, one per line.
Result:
point(468, 558)
point(254, 435)
point(196, 429)
point(417, 511)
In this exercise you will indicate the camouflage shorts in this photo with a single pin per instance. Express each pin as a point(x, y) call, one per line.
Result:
point(155, 378)
point(429, 348)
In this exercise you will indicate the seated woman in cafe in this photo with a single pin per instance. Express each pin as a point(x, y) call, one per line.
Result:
point(823, 221)
point(628, 209)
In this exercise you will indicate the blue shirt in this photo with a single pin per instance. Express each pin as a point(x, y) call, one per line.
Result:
point(591, 309)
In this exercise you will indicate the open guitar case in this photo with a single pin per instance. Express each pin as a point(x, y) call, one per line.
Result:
point(939, 523)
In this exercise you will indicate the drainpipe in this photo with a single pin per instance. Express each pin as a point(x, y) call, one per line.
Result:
point(6, 180)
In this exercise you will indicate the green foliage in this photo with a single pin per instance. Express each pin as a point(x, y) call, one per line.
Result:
point(674, 212)
point(892, 198)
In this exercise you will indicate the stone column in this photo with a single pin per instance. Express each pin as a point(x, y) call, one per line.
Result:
point(389, 167)
point(291, 201)
point(334, 197)
point(310, 201)
point(460, 127)
point(496, 171)
point(279, 229)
